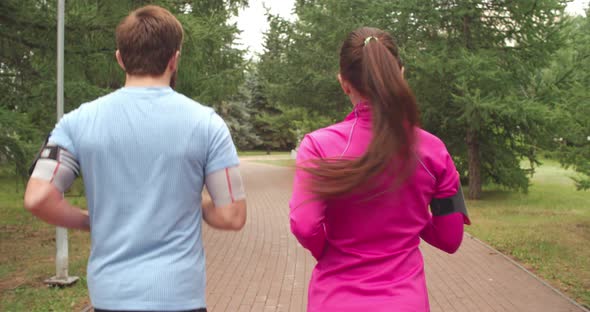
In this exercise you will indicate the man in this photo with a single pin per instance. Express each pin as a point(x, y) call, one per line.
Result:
point(145, 152)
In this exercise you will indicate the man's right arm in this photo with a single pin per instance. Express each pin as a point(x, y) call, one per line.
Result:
point(225, 209)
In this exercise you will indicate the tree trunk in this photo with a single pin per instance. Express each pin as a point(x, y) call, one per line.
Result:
point(474, 162)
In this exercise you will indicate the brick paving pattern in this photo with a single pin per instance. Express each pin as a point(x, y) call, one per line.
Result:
point(262, 268)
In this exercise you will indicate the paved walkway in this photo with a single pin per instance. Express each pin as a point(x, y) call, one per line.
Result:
point(281, 156)
point(262, 268)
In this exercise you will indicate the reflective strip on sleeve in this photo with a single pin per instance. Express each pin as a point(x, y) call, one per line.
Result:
point(225, 186)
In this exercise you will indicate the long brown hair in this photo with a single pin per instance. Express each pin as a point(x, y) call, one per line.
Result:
point(370, 62)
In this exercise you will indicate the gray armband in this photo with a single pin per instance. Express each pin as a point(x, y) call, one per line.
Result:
point(225, 186)
point(446, 206)
point(56, 165)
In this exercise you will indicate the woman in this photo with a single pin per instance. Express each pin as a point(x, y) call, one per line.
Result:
point(363, 187)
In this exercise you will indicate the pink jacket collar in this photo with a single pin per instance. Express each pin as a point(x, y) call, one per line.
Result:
point(361, 111)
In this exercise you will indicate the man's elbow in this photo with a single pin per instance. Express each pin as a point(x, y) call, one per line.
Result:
point(32, 203)
point(238, 224)
point(239, 220)
point(38, 194)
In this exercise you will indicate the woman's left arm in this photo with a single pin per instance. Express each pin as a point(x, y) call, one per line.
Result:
point(444, 230)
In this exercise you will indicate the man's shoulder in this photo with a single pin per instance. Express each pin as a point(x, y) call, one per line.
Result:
point(117, 96)
point(85, 109)
point(191, 105)
point(92, 106)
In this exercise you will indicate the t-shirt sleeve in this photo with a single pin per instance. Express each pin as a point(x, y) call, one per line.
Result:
point(63, 133)
point(221, 151)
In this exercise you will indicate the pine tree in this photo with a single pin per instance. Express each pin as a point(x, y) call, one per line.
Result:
point(469, 63)
point(563, 87)
point(211, 69)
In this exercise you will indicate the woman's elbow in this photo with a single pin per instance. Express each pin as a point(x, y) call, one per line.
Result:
point(301, 230)
point(451, 246)
point(451, 249)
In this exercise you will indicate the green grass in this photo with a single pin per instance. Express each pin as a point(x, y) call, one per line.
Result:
point(547, 230)
point(261, 153)
point(27, 257)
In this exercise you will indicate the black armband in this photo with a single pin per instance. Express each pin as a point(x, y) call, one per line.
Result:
point(32, 167)
point(55, 165)
point(446, 206)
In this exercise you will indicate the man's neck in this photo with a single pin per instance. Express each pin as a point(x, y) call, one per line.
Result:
point(147, 81)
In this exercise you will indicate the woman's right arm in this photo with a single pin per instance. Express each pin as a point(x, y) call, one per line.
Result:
point(306, 212)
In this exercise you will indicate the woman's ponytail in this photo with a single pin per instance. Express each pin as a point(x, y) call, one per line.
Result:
point(369, 61)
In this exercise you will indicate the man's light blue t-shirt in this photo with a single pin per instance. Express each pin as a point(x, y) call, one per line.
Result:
point(144, 153)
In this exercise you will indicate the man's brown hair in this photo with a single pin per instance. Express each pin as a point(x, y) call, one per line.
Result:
point(147, 38)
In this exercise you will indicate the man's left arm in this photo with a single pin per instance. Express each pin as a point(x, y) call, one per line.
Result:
point(226, 209)
point(53, 173)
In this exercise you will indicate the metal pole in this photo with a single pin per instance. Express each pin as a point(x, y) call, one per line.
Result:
point(60, 58)
point(61, 277)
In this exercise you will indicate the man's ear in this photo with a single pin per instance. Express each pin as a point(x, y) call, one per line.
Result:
point(173, 63)
point(119, 59)
point(403, 71)
point(345, 85)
